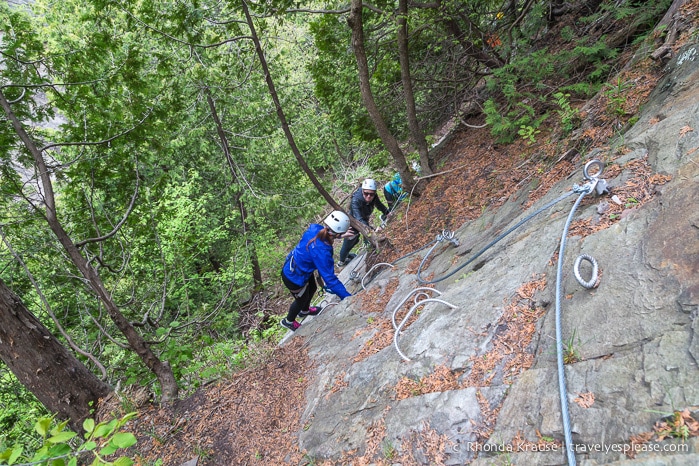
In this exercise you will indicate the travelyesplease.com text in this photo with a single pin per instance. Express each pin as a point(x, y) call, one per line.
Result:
point(578, 448)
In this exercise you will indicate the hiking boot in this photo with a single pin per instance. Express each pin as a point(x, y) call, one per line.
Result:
point(343, 263)
point(290, 325)
point(312, 311)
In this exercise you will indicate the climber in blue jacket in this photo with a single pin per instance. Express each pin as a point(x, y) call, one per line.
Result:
point(393, 191)
point(313, 252)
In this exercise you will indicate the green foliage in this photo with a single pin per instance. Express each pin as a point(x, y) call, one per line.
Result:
point(616, 98)
point(335, 77)
point(182, 261)
point(567, 114)
point(584, 89)
point(519, 121)
point(17, 407)
point(59, 446)
point(519, 85)
point(528, 133)
point(571, 355)
point(567, 33)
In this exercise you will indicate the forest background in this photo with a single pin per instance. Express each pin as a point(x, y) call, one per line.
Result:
point(159, 159)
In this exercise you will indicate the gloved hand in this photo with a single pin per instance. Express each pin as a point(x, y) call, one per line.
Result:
point(383, 217)
point(350, 233)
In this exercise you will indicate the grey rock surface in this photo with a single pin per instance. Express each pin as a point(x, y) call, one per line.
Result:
point(636, 333)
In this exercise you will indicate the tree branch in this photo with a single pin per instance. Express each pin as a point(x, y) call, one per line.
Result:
point(97, 143)
point(118, 225)
point(184, 42)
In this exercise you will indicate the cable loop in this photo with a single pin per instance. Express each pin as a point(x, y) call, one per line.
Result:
point(594, 278)
point(372, 269)
point(399, 327)
point(445, 235)
point(418, 292)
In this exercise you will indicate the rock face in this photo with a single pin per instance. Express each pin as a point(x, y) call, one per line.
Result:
point(635, 337)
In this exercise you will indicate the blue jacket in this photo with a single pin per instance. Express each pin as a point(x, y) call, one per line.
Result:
point(305, 259)
point(395, 186)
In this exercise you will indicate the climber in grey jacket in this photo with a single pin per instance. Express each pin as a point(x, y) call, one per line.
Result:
point(363, 202)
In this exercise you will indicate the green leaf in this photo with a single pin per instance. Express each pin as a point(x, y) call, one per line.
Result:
point(41, 454)
point(61, 437)
point(129, 416)
point(59, 450)
point(124, 439)
point(103, 430)
point(59, 427)
point(42, 426)
point(89, 446)
point(89, 426)
point(14, 454)
point(123, 461)
point(109, 449)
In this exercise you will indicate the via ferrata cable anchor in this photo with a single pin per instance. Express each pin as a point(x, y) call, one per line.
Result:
point(596, 184)
point(447, 235)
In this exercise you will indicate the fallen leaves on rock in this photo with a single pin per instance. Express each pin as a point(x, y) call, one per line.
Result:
point(585, 400)
point(439, 380)
point(679, 425)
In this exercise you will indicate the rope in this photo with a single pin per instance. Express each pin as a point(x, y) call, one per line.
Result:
point(592, 185)
point(420, 292)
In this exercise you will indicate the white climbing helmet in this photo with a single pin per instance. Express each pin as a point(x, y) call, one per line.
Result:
point(369, 184)
point(337, 221)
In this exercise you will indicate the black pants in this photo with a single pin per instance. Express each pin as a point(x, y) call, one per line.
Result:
point(390, 199)
point(347, 246)
point(301, 302)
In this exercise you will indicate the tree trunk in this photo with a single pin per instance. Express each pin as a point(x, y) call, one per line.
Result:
point(415, 130)
point(475, 52)
point(356, 224)
point(254, 261)
point(161, 369)
point(256, 271)
point(355, 22)
point(45, 367)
